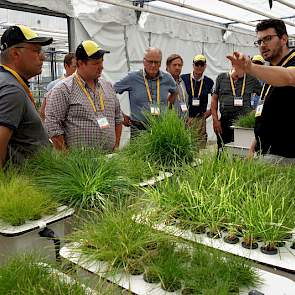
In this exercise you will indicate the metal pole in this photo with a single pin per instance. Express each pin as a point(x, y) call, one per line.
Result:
point(286, 3)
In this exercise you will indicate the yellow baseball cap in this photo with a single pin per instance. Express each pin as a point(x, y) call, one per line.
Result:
point(89, 49)
point(22, 34)
point(258, 58)
point(199, 57)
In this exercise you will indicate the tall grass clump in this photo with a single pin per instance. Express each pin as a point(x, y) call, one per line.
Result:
point(81, 178)
point(22, 201)
point(246, 121)
point(28, 274)
point(167, 141)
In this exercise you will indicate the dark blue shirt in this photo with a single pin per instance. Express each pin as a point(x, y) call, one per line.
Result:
point(195, 111)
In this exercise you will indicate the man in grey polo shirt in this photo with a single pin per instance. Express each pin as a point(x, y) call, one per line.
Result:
point(233, 92)
point(21, 130)
point(149, 89)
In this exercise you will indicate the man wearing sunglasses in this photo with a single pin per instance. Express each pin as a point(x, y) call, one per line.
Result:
point(21, 129)
point(150, 90)
point(275, 110)
point(198, 87)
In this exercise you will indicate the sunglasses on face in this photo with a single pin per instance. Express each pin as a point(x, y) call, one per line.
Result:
point(199, 64)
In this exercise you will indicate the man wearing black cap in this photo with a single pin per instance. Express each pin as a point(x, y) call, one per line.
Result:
point(83, 110)
point(21, 130)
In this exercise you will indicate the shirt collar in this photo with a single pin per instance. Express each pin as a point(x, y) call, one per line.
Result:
point(85, 84)
point(202, 77)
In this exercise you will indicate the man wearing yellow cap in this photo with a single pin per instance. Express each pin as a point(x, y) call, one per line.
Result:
point(21, 130)
point(198, 87)
point(83, 110)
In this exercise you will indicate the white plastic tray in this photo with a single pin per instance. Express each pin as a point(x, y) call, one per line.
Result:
point(271, 284)
point(285, 258)
point(63, 212)
point(154, 180)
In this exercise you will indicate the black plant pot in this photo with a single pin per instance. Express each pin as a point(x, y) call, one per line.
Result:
point(189, 291)
point(231, 239)
point(288, 236)
point(171, 286)
point(293, 246)
point(214, 235)
point(151, 277)
point(280, 244)
point(269, 251)
point(198, 229)
point(252, 246)
point(135, 270)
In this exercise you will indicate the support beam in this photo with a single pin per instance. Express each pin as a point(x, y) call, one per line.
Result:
point(286, 3)
point(203, 23)
point(268, 15)
point(207, 12)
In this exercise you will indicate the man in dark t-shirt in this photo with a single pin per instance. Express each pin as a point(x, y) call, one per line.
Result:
point(275, 110)
point(21, 129)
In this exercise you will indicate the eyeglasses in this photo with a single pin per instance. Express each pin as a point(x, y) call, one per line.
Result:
point(151, 62)
point(265, 40)
point(36, 50)
point(199, 64)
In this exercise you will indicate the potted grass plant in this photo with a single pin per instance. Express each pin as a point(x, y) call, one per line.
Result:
point(80, 178)
point(244, 130)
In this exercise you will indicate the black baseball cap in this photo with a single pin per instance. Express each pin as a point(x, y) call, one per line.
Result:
point(89, 50)
point(22, 34)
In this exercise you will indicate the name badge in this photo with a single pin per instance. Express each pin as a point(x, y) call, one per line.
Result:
point(196, 101)
point(183, 106)
point(259, 109)
point(155, 110)
point(238, 101)
point(103, 122)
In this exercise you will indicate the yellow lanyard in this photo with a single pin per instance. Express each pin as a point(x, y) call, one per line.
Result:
point(233, 87)
point(182, 90)
point(89, 96)
point(149, 92)
point(21, 81)
point(193, 88)
point(262, 97)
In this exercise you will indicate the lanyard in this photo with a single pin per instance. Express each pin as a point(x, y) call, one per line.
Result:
point(21, 81)
point(149, 92)
point(182, 91)
point(233, 87)
point(269, 86)
point(89, 96)
point(193, 88)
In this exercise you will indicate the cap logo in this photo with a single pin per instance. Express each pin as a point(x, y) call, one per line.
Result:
point(28, 33)
point(199, 57)
point(90, 47)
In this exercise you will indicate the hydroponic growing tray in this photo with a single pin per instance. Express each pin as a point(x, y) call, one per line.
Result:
point(271, 283)
point(15, 239)
point(285, 259)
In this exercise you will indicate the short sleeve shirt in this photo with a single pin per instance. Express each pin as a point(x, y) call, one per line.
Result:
point(138, 97)
point(226, 97)
point(19, 114)
point(68, 112)
point(207, 88)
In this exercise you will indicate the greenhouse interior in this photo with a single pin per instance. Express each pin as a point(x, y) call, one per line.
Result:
point(146, 148)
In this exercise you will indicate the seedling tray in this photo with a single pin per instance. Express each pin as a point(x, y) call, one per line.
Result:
point(15, 239)
point(285, 259)
point(271, 283)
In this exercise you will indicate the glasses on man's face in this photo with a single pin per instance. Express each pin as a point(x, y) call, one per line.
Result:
point(264, 40)
point(36, 50)
point(199, 64)
point(153, 62)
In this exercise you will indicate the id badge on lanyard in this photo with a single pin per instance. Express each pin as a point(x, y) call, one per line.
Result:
point(183, 106)
point(238, 101)
point(155, 110)
point(259, 108)
point(196, 101)
point(103, 122)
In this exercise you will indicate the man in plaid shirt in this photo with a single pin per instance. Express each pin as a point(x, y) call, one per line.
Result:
point(83, 110)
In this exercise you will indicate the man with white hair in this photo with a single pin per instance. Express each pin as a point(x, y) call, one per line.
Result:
point(150, 90)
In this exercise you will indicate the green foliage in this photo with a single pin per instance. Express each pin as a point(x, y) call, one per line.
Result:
point(167, 142)
point(246, 121)
point(81, 178)
point(25, 275)
point(22, 201)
